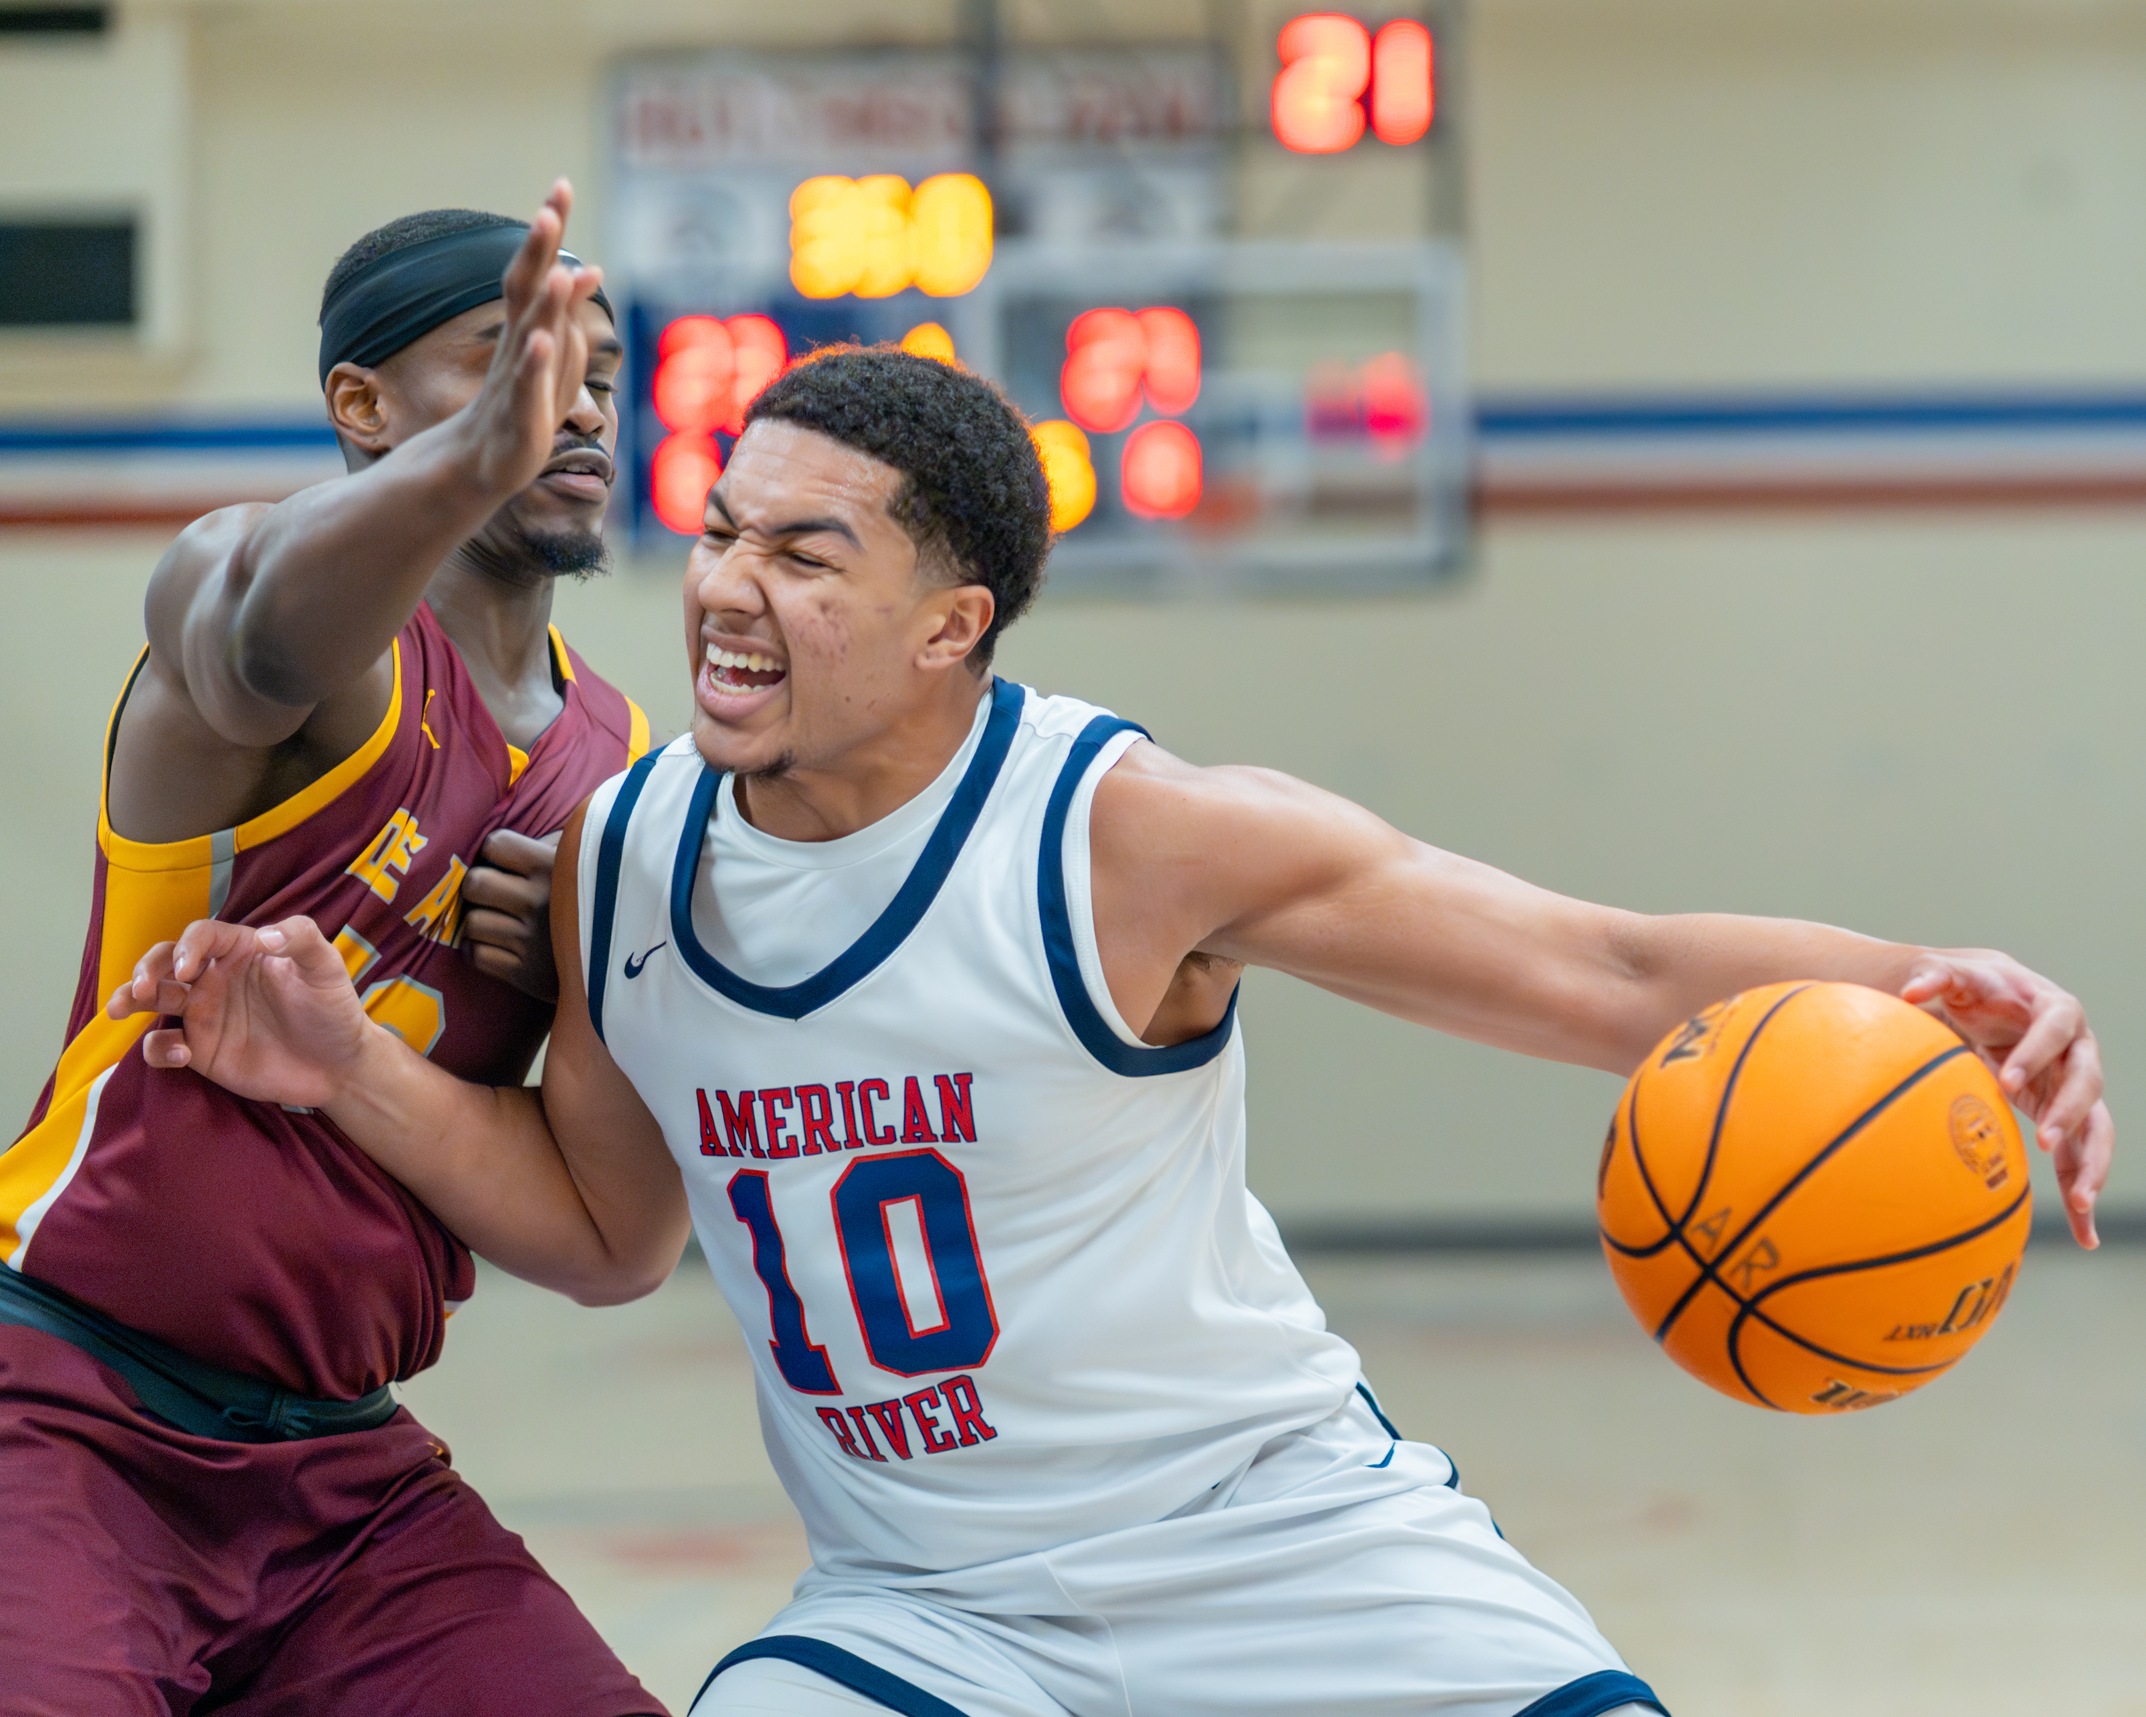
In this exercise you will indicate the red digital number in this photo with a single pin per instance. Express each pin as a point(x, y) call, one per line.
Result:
point(1331, 64)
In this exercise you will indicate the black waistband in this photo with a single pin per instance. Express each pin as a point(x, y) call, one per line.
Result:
point(187, 1394)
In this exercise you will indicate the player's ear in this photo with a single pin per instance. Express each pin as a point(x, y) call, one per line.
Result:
point(964, 614)
point(356, 408)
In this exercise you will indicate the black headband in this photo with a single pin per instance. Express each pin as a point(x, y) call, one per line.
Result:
point(405, 294)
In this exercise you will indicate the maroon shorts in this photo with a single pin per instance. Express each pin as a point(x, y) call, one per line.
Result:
point(148, 1573)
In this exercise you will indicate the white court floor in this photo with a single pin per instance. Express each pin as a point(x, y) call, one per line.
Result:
point(1978, 1550)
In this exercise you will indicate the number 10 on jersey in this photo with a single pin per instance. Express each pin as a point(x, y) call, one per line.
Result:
point(916, 1279)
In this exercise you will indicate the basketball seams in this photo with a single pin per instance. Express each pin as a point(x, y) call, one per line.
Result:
point(1728, 1091)
point(1754, 1308)
point(1733, 1346)
point(1825, 1152)
point(1639, 1162)
point(1847, 1134)
point(1676, 1224)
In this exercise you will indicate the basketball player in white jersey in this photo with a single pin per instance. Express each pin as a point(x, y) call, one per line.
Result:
point(913, 990)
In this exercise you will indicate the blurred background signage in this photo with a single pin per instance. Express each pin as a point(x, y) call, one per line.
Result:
point(1223, 396)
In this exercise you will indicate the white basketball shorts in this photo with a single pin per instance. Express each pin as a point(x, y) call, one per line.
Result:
point(1343, 1574)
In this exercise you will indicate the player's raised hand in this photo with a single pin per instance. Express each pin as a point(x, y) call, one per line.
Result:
point(542, 359)
point(2035, 1037)
point(269, 1014)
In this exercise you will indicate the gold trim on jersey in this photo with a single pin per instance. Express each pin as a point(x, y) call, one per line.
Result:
point(636, 717)
point(152, 891)
point(277, 820)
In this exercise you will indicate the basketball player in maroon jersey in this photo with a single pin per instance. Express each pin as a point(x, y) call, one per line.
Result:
point(352, 705)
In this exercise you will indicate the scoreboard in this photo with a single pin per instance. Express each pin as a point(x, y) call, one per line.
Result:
point(1219, 403)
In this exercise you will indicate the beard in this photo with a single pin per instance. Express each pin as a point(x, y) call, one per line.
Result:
point(579, 554)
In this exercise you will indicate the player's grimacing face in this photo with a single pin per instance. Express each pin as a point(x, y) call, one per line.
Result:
point(805, 609)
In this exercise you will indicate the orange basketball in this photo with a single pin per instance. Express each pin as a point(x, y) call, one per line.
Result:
point(1814, 1196)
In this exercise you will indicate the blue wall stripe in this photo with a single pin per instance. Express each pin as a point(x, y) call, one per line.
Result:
point(149, 436)
point(1507, 418)
point(1518, 418)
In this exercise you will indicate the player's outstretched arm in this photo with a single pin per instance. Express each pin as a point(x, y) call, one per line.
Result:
point(258, 614)
point(1251, 866)
point(572, 1187)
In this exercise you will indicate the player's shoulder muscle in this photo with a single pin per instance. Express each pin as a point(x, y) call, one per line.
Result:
point(1208, 845)
point(200, 555)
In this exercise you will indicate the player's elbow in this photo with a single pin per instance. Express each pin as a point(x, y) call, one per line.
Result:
point(616, 1290)
point(617, 1281)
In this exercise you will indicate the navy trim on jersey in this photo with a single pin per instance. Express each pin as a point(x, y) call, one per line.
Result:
point(1592, 1695)
point(843, 1668)
point(892, 927)
point(1135, 1061)
point(610, 852)
point(1377, 1412)
point(1387, 1425)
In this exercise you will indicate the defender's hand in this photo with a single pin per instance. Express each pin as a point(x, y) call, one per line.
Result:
point(269, 1014)
point(506, 925)
point(541, 361)
point(2035, 1038)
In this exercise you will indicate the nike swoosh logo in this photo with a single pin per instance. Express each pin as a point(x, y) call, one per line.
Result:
point(634, 962)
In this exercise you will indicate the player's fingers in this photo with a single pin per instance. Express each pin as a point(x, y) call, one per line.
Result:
point(532, 260)
point(1963, 982)
point(525, 855)
point(504, 891)
point(573, 371)
point(1927, 983)
point(171, 997)
point(206, 941)
point(142, 996)
point(166, 1048)
point(300, 940)
point(495, 962)
point(541, 321)
point(2055, 1026)
point(503, 930)
point(532, 380)
point(139, 993)
point(2083, 1170)
point(2075, 1086)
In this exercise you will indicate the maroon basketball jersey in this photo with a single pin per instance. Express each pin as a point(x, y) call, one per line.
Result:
point(251, 1236)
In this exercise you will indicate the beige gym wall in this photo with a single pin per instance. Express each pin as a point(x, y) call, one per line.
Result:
point(1927, 726)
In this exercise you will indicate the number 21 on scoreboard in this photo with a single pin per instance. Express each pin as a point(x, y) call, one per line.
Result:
point(1332, 65)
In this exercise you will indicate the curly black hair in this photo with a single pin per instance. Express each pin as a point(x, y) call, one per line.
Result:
point(400, 234)
point(972, 495)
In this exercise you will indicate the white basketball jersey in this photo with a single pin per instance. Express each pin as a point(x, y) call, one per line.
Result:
point(995, 1258)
